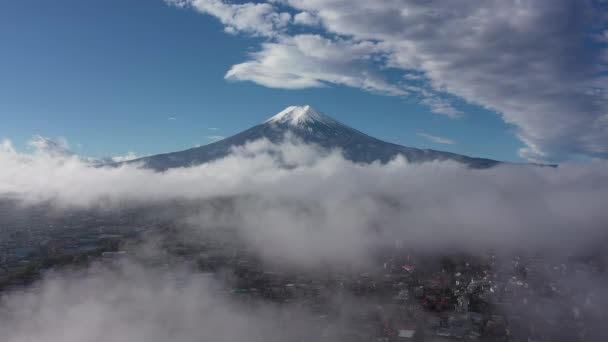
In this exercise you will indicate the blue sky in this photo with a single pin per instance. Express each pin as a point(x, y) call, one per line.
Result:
point(109, 75)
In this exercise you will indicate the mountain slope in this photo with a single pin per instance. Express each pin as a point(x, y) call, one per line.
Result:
point(311, 126)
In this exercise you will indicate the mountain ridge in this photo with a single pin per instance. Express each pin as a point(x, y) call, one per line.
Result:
point(310, 126)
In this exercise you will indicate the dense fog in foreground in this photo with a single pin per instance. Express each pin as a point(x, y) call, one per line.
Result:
point(300, 208)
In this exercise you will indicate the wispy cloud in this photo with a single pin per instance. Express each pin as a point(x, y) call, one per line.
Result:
point(441, 106)
point(437, 139)
point(215, 137)
point(213, 129)
point(172, 118)
point(129, 156)
point(52, 146)
point(257, 19)
point(541, 76)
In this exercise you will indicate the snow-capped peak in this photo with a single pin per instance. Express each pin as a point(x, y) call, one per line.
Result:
point(298, 115)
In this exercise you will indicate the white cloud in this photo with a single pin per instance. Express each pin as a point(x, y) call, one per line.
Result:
point(57, 147)
point(433, 205)
point(441, 106)
point(437, 139)
point(172, 118)
point(307, 60)
point(259, 19)
point(58, 150)
point(305, 18)
point(6, 147)
point(321, 211)
point(215, 137)
point(213, 129)
point(527, 60)
point(129, 156)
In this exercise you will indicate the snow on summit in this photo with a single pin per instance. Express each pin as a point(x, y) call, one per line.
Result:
point(298, 115)
point(311, 127)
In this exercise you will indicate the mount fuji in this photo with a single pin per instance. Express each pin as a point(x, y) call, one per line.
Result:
point(310, 126)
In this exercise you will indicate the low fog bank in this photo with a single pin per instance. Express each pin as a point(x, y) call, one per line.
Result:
point(297, 203)
point(303, 209)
